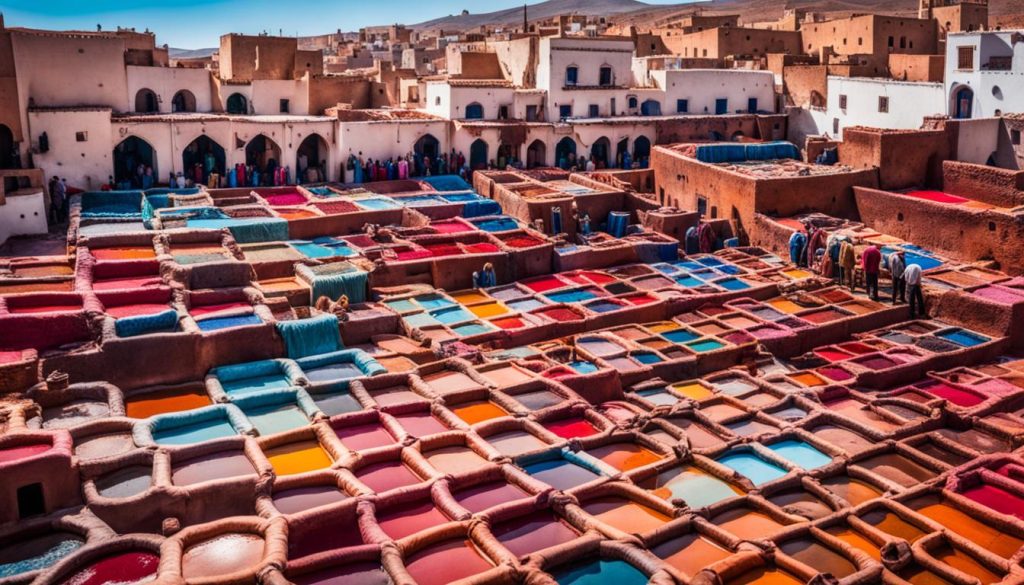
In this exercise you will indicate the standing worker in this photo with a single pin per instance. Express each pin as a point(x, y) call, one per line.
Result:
point(847, 264)
point(871, 260)
point(912, 276)
point(897, 266)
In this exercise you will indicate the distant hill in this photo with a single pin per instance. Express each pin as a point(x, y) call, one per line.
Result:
point(191, 53)
point(548, 9)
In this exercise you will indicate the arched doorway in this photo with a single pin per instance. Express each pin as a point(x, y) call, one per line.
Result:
point(265, 156)
point(536, 154)
point(427, 146)
point(237, 104)
point(642, 151)
point(963, 102)
point(183, 101)
point(7, 155)
point(478, 155)
point(620, 152)
point(206, 153)
point(506, 156)
point(474, 111)
point(600, 152)
point(737, 136)
point(311, 160)
point(145, 102)
point(650, 108)
point(564, 148)
point(129, 154)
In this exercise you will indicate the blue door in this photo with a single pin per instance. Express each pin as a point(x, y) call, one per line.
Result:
point(721, 106)
point(964, 102)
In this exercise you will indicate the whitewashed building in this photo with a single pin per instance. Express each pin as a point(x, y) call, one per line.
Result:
point(879, 103)
point(984, 73)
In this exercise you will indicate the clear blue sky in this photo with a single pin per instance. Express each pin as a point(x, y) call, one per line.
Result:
point(194, 24)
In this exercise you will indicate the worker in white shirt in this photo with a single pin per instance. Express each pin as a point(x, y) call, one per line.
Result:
point(912, 276)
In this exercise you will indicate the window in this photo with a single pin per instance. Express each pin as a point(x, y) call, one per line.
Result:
point(531, 113)
point(721, 106)
point(593, 111)
point(705, 54)
point(892, 42)
point(1015, 137)
point(437, 101)
point(860, 41)
point(605, 77)
point(682, 106)
point(835, 126)
point(81, 136)
point(714, 212)
point(503, 112)
point(903, 42)
point(284, 106)
point(842, 101)
point(752, 105)
point(564, 111)
point(702, 205)
point(631, 102)
point(474, 112)
point(883, 104)
point(965, 58)
point(572, 75)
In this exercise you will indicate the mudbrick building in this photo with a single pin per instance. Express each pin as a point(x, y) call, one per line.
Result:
point(578, 302)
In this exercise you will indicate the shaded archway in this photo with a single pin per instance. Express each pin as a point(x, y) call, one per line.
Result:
point(963, 102)
point(7, 155)
point(650, 108)
point(145, 102)
point(642, 151)
point(128, 155)
point(206, 153)
point(600, 151)
point(564, 148)
point(237, 104)
point(505, 157)
point(183, 101)
point(265, 156)
point(311, 160)
point(536, 154)
point(620, 152)
point(478, 155)
point(427, 146)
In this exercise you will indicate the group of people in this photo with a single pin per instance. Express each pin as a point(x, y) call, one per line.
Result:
point(834, 256)
point(571, 162)
point(403, 167)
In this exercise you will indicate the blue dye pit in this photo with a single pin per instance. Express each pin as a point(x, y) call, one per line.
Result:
point(218, 323)
point(601, 572)
point(801, 454)
point(752, 467)
point(962, 337)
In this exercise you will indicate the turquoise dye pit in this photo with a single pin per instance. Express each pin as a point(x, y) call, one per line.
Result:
point(583, 367)
point(601, 572)
point(571, 296)
point(752, 467)
point(46, 558)
point(275, 419)
point(646, 358)
point(658, 397)
point(680, 335)
point(433, 301)
point(336, 403)
point(401, 305)
point(503, 224)
point(195, 433)
point(333, 372)
point(372, 203)
point(247, 386)
point(689, 265)
point(420, 320)
point(452, 315)
point(801, 454)
point(711, 261)
point(311, 250)
point(963, 338)
point(472, 329)
point(705, 345)
point(218, 323)
point(561, 474)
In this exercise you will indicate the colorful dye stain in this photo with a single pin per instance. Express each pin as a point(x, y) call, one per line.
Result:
point(533, 532)
point(747, 524)
point(299, 457)
point(855, 539)
point(963, 338)
point(625, 456)
point(124, 253)
point(658, 397)
point(690, 553)
point(625, 515)
point(997, 499)
point(361, 437)
point(705, 345)
point(752, 467)
point(393, 395)
point(22, 452)
point(480, 497)
point(335, 403)
point(301, 499)
point(275, 419)
point(832, 355)
point(600, 572)
point(123, 568)
point(165, 401)
point(222, 555)
point(854, 491)
point(505, 376)
point(800, 453)
point(479, 411)
point(195, 433)
point(33, 554)
point(750, 427)
point(988, 537)
point(448, 561)
point(455, 460)
point(405, 519)
point(104, 445)
point(801, 503)
point(693, 391)
point(561, 474)
point(582, 367)
point(835, 374)
point(692, 485)
point(333, 372)
point(819, 557)
point(448, 381)
point(382, 477)
point(571, 428)
point(734, 386)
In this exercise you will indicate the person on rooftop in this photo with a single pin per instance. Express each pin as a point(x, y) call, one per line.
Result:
point(871, 261)
point(912, 276)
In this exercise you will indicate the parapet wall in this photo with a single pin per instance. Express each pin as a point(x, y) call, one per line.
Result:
point(992, 185)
